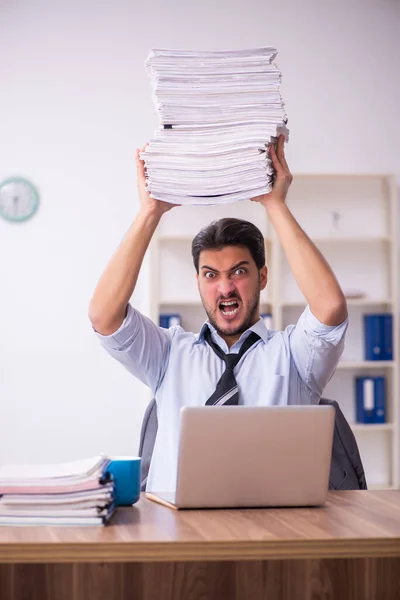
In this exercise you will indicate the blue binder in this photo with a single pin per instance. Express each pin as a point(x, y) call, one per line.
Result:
point(378, 337)
point(168, 320)
point(387, 328)
point(370, 399)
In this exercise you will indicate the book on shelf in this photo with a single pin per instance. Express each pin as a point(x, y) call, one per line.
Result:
point(80, 492)
point(218, 113)
point(370, 399)
point(378, 336)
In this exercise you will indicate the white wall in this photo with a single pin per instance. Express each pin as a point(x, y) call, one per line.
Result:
point(74, 103)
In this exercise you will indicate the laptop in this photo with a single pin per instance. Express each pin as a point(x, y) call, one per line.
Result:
point(247, 456)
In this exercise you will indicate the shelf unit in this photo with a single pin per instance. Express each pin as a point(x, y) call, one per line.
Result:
point(352, 219)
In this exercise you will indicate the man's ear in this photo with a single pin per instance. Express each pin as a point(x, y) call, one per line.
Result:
point(263, 277)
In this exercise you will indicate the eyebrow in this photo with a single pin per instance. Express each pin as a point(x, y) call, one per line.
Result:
point(239, 264)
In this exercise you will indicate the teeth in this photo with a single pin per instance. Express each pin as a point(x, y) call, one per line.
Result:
point(230, 312)
point(234, 304)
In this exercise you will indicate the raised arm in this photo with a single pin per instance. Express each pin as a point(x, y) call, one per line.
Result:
point(109, 303)
point(313, 274)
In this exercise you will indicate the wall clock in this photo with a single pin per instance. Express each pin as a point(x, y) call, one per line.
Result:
point(19, 199)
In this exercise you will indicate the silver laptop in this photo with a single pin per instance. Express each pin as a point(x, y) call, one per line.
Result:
point(242, 456)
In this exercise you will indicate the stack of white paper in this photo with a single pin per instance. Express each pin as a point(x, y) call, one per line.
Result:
point(218, 112)
point(75, 493)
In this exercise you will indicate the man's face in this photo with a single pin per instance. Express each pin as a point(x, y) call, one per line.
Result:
point(229, 284)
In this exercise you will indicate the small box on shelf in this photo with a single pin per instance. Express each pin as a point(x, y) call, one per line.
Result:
point(370, 399)
point(168, 320)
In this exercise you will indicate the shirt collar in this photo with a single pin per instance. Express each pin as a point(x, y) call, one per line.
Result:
point(258, 327)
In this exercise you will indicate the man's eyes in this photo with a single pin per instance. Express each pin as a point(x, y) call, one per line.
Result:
point(212, 275)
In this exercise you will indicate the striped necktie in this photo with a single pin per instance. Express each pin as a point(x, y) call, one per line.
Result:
point(226, 391)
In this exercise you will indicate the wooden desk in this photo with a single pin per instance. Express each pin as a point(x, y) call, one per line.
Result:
point(348, 549)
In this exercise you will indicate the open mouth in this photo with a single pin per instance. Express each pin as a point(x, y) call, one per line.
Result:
point(229, 308)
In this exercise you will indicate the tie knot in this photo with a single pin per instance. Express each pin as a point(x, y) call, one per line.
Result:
point(231, 360)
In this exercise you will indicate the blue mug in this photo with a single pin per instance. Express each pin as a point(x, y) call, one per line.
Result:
point(126, 472)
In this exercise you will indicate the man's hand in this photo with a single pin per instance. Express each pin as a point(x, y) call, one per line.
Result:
point(147, 203)
point(283, 176)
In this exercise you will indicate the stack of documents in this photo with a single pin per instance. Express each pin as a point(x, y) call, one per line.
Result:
point(218, 114)
point(75, 493)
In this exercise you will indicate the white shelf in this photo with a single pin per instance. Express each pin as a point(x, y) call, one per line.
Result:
point(350, 302)
point(352, 240)
point(371, 428)
point(353, 219)
point(381, 486)
point(366, 364)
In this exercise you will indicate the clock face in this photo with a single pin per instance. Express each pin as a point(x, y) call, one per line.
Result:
point(19, 199)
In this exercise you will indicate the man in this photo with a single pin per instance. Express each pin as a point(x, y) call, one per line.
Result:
point(181, 368)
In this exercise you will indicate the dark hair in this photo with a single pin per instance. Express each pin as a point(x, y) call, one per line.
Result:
point(230, 232)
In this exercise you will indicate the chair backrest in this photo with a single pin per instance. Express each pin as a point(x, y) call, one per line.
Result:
point(147, 439)
point(347, 472)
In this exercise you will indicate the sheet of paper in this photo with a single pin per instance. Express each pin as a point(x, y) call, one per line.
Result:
point(33, 472)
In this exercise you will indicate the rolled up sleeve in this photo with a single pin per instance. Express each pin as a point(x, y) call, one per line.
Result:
point(316, 349)
point(140, 346)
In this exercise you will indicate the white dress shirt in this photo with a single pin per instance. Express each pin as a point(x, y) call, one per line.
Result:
point(283, 367)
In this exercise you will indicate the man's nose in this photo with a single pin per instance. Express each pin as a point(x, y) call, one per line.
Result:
point(226, 286)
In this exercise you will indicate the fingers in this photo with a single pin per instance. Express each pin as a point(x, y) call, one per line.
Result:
point(275, 161)
point(140, 166)
point(278, 158)
point(280, 152)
